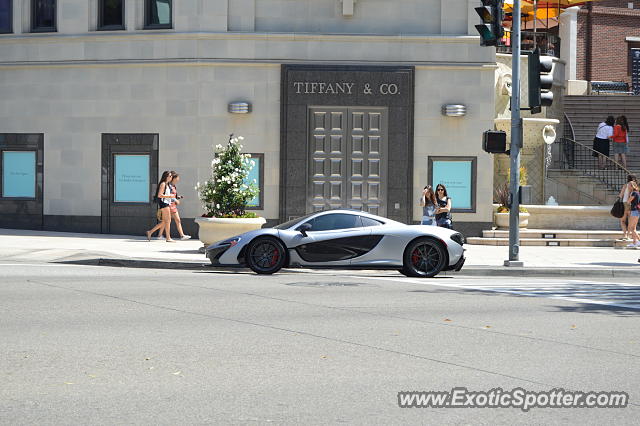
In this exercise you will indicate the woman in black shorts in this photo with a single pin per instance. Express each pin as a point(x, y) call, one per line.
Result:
point(601, 141)
point(163, 198)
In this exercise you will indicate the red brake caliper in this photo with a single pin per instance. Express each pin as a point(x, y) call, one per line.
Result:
point(274, 257)
point(415, 257)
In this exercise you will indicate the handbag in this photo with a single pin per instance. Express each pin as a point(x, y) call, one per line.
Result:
point(159, 215)
point(618, 209)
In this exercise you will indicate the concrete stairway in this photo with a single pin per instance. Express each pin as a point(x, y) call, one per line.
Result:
point(585, 112)
point(571, 187)
point(553, 237)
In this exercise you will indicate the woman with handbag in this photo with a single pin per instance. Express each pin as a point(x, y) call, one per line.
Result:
point(634, 215)
point(625, 192)
point(163, 195)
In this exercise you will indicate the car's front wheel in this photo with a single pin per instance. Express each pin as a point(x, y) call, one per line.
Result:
point(266, 255)
point(423, 258)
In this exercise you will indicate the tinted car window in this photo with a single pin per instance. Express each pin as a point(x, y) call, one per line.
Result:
point(292, 222)
point(366, 221)
point(330, 222)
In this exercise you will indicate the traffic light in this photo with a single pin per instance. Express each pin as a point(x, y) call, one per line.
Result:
point(494, 141)
point(540, 81)
point(492, 15)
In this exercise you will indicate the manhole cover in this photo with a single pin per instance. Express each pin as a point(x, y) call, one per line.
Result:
point(324, 284)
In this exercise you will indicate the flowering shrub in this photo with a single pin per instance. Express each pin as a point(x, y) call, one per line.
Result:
point(227, 193)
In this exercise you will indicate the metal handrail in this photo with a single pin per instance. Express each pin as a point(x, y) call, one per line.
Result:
point(567, 121)
point(567, 154)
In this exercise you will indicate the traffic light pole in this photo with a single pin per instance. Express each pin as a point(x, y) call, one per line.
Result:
point(516, 142)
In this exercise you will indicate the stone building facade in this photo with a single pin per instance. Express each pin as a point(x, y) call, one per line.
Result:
point(346, 99)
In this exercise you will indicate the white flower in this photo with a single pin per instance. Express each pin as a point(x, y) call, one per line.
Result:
point(241, 138)
point(217, 206)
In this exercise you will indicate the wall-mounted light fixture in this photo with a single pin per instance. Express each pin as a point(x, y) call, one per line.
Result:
point(454, 110)
point(347, 7)
point(239, 107)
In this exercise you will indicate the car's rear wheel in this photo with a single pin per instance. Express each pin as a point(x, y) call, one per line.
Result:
point(266, 255)
point(423, 258)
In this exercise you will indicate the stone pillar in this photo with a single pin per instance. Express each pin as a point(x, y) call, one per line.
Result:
point(569, 40)
point(533, 154)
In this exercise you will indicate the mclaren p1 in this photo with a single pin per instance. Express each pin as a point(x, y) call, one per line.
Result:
point(344, 239)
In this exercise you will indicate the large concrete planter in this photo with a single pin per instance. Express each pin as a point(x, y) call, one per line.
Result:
point(214, 229)
point(502, 220)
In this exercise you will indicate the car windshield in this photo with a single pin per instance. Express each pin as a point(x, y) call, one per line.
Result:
point(293, 222)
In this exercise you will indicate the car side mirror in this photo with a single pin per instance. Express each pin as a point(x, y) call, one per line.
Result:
point(304, 228)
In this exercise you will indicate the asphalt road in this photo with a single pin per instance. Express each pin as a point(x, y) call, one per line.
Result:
point(100, 345)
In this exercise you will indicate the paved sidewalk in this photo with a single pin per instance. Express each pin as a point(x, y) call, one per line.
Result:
point(122, 250)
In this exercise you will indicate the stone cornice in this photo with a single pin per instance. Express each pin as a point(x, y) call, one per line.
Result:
point(155, 35)
point(177, 62)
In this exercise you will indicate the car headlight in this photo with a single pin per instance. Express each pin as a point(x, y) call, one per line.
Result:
point(231, 241)
point(458, 238)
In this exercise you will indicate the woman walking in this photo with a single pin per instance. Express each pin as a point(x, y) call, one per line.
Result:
point(173, 205)
point(163, 195)
point(625, 192)
point(443, 212)
point(601, 141)
point(621, 140)
point(634, 200)
point(429, 205)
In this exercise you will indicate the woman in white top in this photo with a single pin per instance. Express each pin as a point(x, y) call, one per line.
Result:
point(601, 141)
point(625, 191)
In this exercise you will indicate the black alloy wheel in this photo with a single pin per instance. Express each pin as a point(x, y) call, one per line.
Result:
point(266, 255)
point(423, 258)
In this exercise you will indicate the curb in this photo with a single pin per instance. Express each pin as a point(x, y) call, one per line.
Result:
point(135, 263)
point(496, 271)
point(501, 271)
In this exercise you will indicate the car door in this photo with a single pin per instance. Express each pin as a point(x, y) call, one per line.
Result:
point(334, 238)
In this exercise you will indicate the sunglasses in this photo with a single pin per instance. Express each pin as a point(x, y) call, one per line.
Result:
point(440, 189)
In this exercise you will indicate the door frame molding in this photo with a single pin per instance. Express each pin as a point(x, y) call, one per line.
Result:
point(125, 143)
point(294, 140)
point(24, 213)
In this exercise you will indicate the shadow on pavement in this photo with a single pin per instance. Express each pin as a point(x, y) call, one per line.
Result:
point(610, 264)
point(589, 308)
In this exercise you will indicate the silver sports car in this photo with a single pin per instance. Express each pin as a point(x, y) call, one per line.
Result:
point(344, 238)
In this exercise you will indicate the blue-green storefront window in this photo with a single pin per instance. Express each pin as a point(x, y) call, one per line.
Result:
point(19, 174)
point(131, 179)
point(254, 177)
point(456, 176)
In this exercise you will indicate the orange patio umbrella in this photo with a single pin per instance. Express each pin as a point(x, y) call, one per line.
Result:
point(542, 9)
